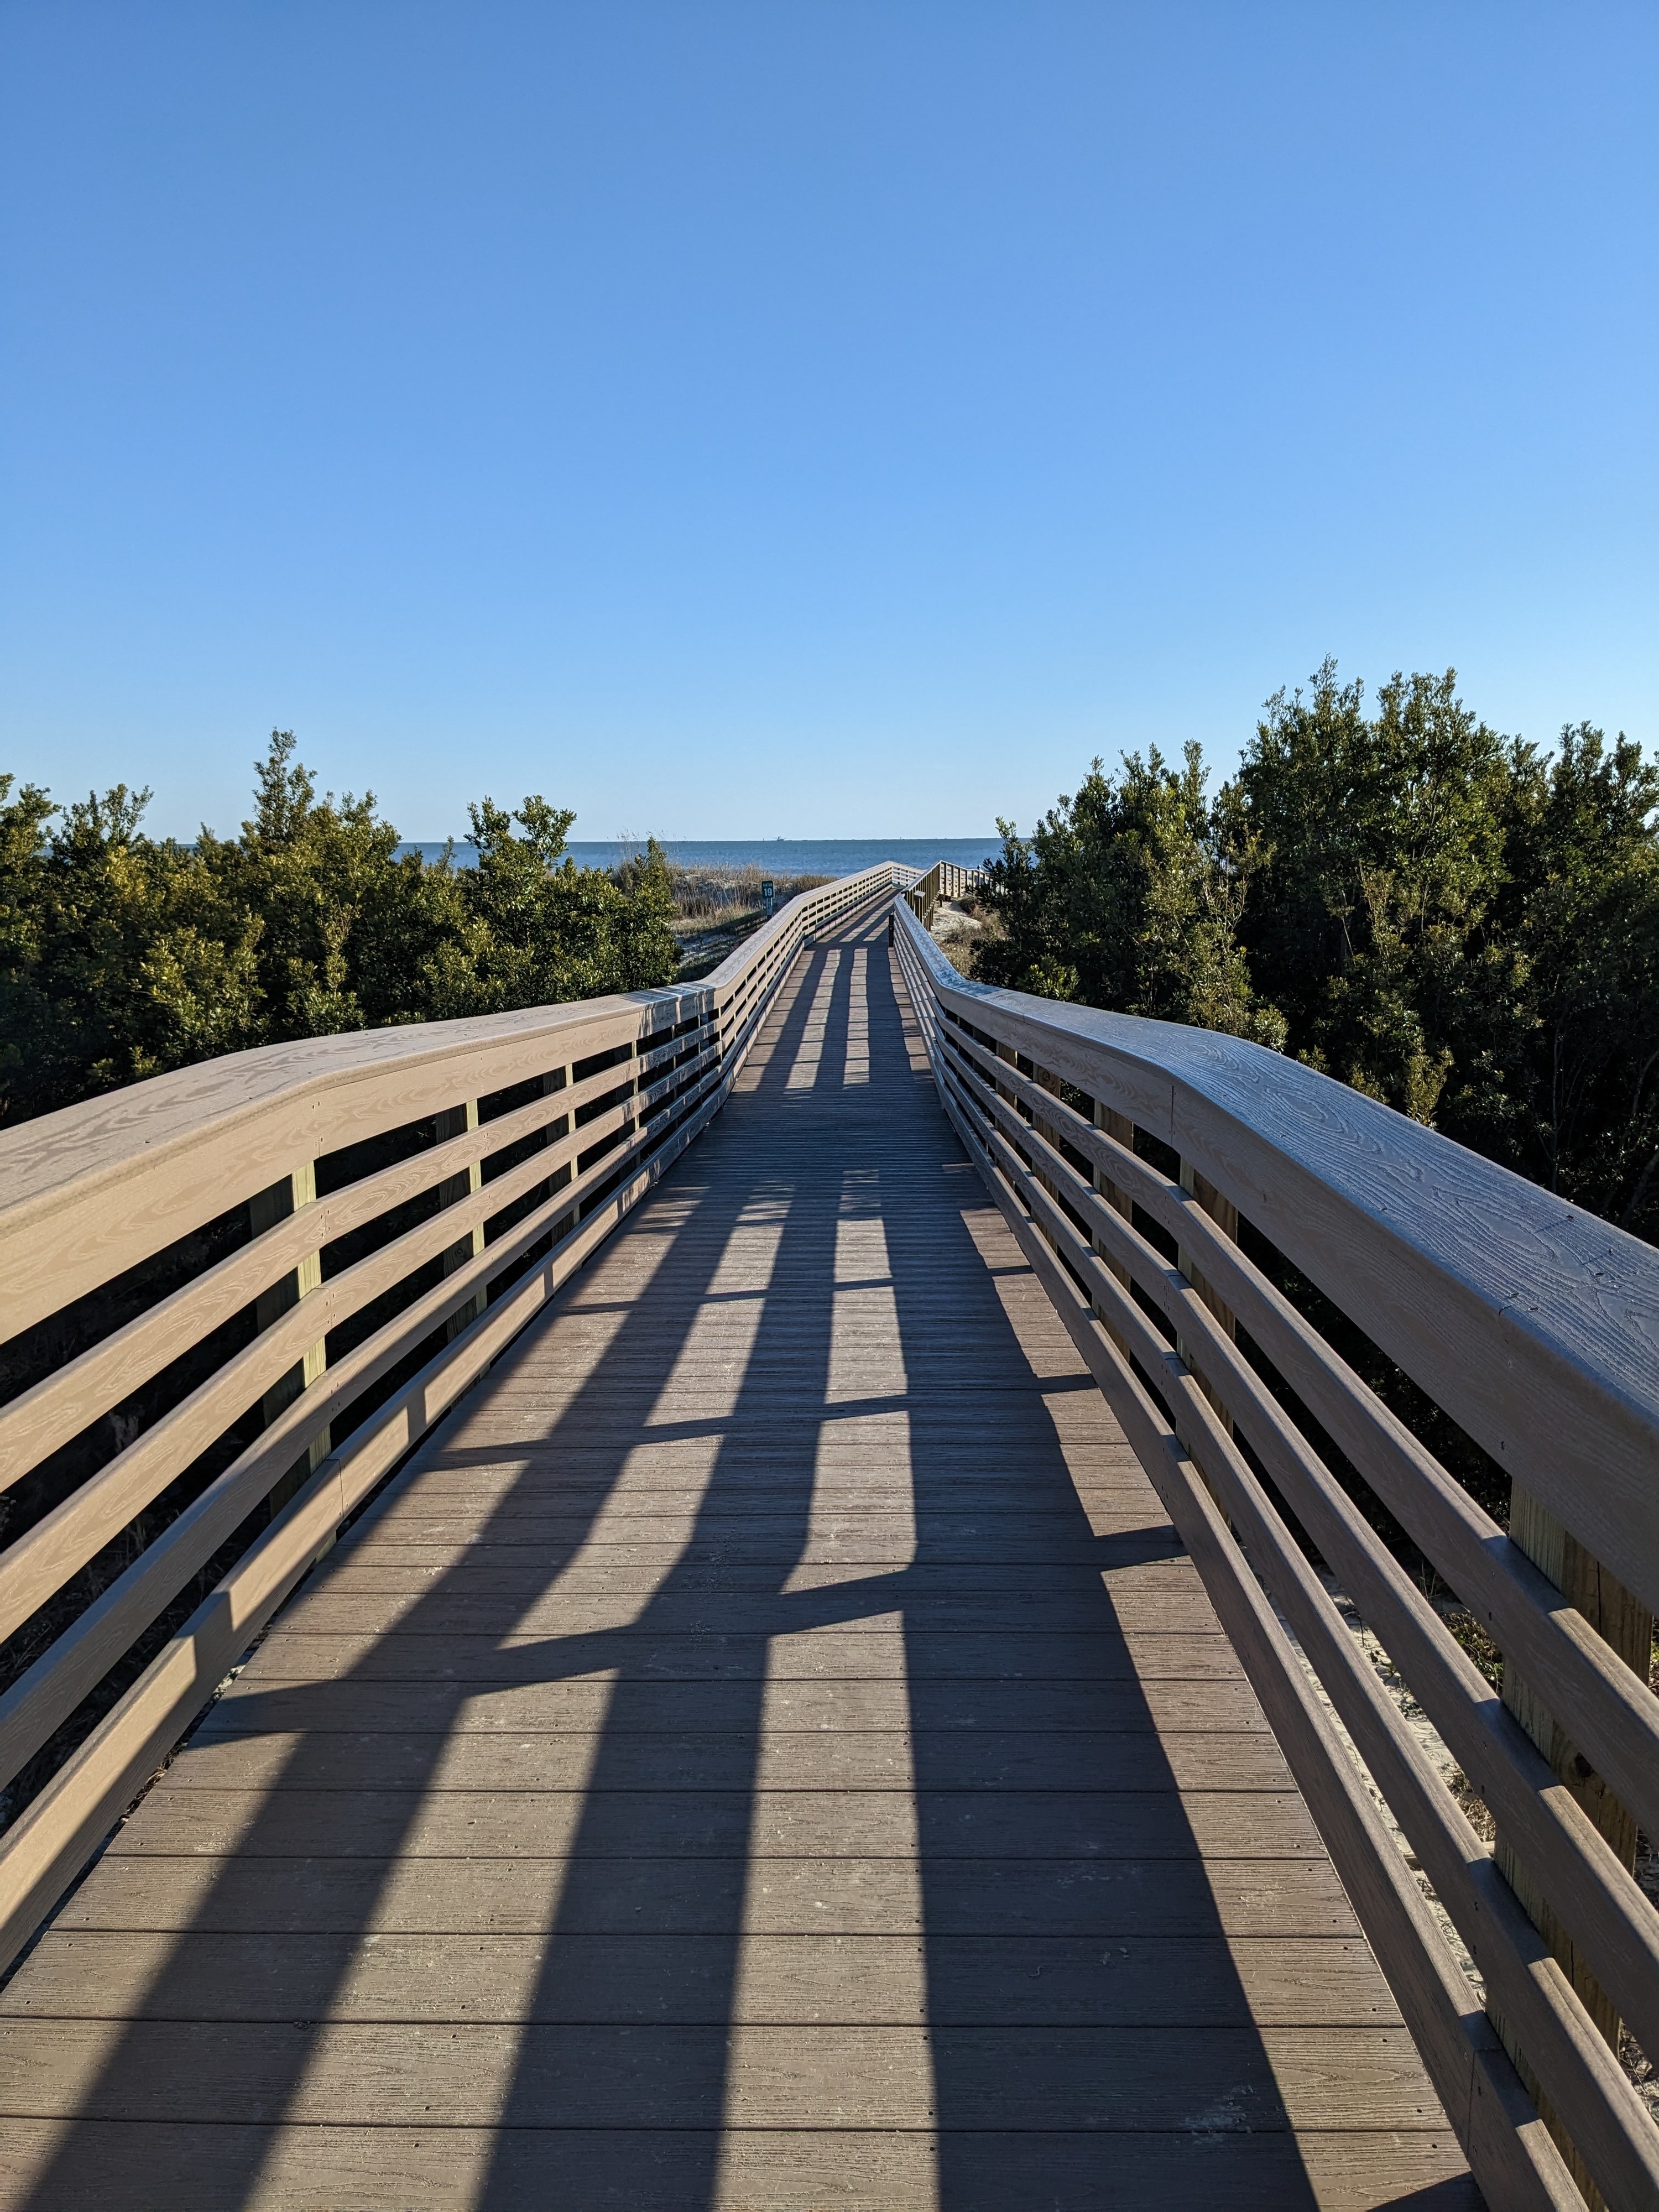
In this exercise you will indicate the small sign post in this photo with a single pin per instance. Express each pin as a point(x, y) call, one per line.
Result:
point(768, 895)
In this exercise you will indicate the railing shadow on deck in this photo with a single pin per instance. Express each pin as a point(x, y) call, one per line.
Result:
point(661, 2141)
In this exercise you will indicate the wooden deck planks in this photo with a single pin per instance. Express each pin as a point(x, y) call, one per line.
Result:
point(769, 1751)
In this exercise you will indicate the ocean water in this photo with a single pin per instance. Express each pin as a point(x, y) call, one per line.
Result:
point(773, 856)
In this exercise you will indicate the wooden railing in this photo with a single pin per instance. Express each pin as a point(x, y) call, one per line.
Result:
point(944, 880)
point(1111, 1143)
point(235, 1295)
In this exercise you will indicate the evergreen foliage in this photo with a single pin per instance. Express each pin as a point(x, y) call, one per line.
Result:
point(123, 955)
point(1445, 918)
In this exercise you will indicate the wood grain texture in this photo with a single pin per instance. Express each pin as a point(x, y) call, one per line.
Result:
point(1502, 2123)
point(390, 2168)
point(679, 1790)
point(94, 1187)
point(1592, 1890)
point(1534, 1324)
point(1608, 2120)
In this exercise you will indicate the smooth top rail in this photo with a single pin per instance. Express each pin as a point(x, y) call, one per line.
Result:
point(945, 879)
point(1534, 1323)
point(1536, 1328)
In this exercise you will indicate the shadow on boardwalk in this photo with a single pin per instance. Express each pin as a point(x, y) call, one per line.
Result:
point(865, 1879)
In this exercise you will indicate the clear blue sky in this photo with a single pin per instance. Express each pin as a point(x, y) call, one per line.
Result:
point(808, 418)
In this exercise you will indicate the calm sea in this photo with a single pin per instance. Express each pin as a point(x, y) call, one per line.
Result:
point(773, 856)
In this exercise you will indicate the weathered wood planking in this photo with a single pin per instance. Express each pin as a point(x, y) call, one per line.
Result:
point(65, 1164)
point(767, 1750)
point(1182, 1407)
point(1533, 1322)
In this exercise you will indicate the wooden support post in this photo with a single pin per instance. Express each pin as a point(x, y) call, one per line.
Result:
point(1045, 1130)
point(265, 1210)
point(1118, 1125)
point(1006, 1052)
point(1626, 1624)
point(1224, 1214)
point(454, 1122)
point(924, 895)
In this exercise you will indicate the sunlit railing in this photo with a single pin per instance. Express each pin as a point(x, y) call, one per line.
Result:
point(232, 1298)
point(1125, 1154)
point(944, 880)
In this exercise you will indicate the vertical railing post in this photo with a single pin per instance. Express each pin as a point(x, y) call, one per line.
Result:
point(454, 1121)
point(1224, 1214)
point(265, 1209)
point(924, 895)
point(1006, 1053)
point(1625, 1625)
point(1046, 1080)
point(1120, 1127)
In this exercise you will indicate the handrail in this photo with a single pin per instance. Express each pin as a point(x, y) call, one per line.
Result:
point(1536, 1328)
point(945, 879)
point(320, 1346)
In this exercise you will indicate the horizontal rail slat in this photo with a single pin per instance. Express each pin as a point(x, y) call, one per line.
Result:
point(1576, 2068)
point(61, 1404)
point(1086, 1252)
point(1612, 1715)
point(1592, 1894)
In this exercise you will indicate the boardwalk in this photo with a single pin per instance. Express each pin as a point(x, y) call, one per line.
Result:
point(768, 1752)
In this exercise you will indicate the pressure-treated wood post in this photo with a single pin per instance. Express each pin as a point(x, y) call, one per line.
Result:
point(1046, 1081)
point(1118, 1125)
point(454, 1121)
point(1625, 1624)
point(265, 1210)
point(1006, 1052)
point(1224, 1214)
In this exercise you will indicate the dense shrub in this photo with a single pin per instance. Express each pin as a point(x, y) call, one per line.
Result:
point(1447, 918)
point(122, 955)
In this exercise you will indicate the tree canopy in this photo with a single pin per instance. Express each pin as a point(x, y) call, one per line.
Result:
point(1448, 919)
point(123, 955)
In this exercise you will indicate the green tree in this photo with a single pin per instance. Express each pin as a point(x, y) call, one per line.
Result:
point(537, 929)
point(346, 927)
point(1582, 906)
point(121, 954)
point(24, 1000)
point(1437, 914)
point(1129, 894)
point(1372, 921)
